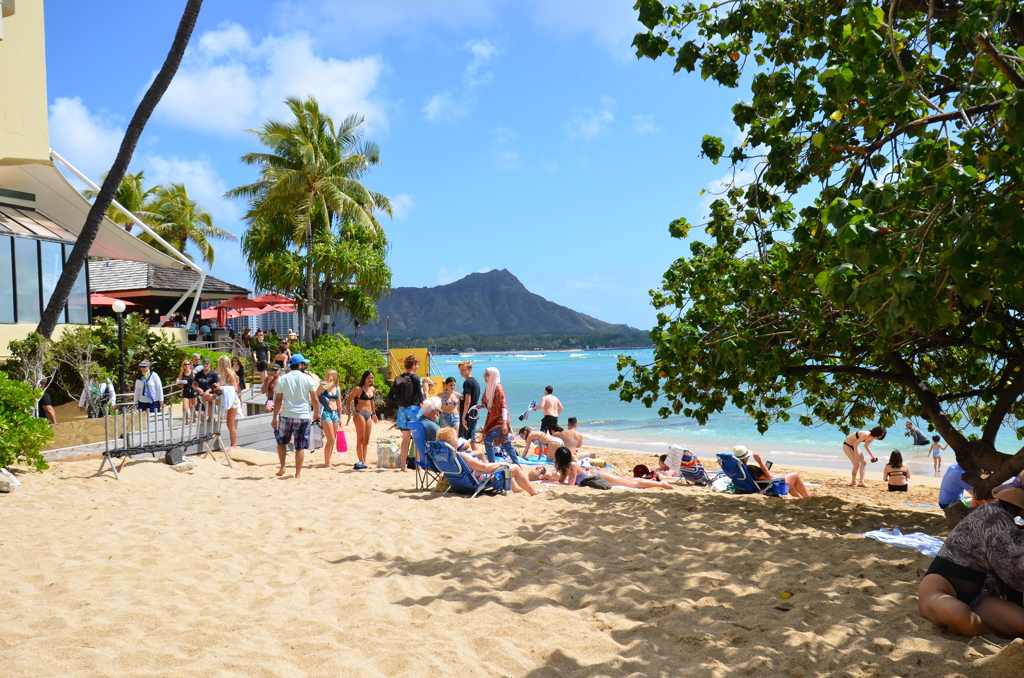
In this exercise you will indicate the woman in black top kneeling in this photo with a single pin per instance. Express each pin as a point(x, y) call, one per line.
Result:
point(974, 585)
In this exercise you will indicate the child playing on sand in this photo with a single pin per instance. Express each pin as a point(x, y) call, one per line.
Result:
point(896, 473)
point(936, 452)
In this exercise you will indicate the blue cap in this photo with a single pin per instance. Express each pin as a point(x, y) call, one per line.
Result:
point(296, 359)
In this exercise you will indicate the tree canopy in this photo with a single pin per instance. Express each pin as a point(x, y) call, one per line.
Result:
point(864, 263)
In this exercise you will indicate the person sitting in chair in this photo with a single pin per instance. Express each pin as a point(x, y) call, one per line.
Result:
point(520, 481)
point(761, 473)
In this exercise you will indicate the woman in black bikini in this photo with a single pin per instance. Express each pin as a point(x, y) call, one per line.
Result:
point(361, 401)
point(974, 585)
point(854, 441)
point(896, 473)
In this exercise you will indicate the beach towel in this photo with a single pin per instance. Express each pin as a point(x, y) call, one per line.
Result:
point(918, 541)
point(526, 415)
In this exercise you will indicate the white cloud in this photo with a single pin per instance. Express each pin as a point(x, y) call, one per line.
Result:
point(448, 105)
point(89, 141)
point(644, 124)
point(228, 82)
point(589, 123)
point(610, 24)
point(443, 108)
point(401, 205)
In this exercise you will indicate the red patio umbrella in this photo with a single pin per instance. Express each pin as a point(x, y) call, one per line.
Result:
point(240, 302)
point(273, 299)
point(104, 300)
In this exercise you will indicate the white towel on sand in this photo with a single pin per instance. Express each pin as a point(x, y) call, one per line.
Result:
point(918, 541)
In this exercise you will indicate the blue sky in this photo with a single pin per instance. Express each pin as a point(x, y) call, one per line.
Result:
point(522, 135)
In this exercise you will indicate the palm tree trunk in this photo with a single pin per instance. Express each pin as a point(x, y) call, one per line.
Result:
point(309, 280)
point(80, 254)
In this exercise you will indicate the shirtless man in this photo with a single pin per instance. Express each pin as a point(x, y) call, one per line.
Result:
point(573, 439)
point(551, 407)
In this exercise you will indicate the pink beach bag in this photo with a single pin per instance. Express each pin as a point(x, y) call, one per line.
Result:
point(342, 445)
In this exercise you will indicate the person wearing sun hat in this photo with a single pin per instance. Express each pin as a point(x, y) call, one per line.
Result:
point(974, 584)
point(761, 471)
point(149, 390)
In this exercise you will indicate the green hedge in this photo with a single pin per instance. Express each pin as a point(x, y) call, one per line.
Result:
point(22, 435)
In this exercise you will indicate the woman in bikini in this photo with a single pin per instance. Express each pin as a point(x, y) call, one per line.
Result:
point(450, 405)
point(283, 355)
point(974, 584)
point(568, 472)
point(896, 473)
point(543, 442)
point(850, 448)
point(328, 394)
point(361, 401)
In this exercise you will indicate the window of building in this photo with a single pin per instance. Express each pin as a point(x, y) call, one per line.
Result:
point(6, 279)
point(78, 300)
point(26, 280)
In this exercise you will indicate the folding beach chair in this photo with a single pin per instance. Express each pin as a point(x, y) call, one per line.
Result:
point(426, 473)
point(689, 467)
point(460, 477)
point(740, 476)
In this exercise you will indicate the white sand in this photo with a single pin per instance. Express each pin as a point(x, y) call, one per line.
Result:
point(345, 573)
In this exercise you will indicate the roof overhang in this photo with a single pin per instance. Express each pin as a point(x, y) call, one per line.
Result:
point(59, 200)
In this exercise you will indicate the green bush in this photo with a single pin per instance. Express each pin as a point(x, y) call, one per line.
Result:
point(333, 352)
point(22, 435)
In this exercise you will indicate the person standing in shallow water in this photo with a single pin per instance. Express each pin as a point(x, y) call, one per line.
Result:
point(851, 448)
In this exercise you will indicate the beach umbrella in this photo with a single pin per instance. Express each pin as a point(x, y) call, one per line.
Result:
point(273, 299)
point(209, 313)
point(104, 300)
point(240, 302)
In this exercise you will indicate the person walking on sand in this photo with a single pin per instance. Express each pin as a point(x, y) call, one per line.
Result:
point(361, 400)
point(329, 395)
point(295, 407)
point(497, 432)
point(470, 399)
point(851, 448)
point(407, 393)
point(551, 407)
point(896, 474)
point(936, 454)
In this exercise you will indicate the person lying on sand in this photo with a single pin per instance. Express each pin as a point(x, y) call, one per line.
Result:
point(520, 481)
point(974, 584)
point(568, 472)
point(760, 471)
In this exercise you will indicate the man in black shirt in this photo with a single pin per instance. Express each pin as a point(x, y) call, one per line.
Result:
point(261, 355)
point(206, 384)
point(470, 397)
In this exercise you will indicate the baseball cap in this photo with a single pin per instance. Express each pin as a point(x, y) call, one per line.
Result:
point(144, 363)
point(296, 359)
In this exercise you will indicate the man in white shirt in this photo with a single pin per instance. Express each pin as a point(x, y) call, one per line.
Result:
point(96, 395)
point(295, 406)
point(149, 390)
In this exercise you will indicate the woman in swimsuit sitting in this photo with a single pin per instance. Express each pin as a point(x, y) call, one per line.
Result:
point(328, 394)
point(896, 473)
point(520, 481)
point(850, 448)
point(542, 441)
point(361, 401)
point(974, 585)
point(568, 472)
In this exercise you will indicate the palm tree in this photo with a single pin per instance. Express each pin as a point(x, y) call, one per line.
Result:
point(309, 180)
point(179, 220)
point(133, 195)
point(80, 252)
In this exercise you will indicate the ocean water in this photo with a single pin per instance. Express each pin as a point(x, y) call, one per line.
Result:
point(580, 380)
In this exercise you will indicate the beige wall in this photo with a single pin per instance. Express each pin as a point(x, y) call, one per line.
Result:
point(24, 134)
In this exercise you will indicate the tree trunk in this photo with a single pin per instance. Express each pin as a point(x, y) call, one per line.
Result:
point(309, 280)
point(80, 254)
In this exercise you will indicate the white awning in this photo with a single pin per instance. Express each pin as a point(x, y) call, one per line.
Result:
point(56, 198)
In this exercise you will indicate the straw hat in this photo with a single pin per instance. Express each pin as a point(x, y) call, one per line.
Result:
point(1013, 495)
point(740, 452)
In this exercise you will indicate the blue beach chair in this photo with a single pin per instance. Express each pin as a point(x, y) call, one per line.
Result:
point(740, 476)
point(426, 473)
point(460, 477)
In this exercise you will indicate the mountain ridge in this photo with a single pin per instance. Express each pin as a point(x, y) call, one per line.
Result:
point(494, 303)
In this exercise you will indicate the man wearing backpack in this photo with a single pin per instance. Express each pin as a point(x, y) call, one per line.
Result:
point(407, 393)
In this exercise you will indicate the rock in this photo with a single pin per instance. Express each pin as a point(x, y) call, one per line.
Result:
point(184, 466)
point(8, 482)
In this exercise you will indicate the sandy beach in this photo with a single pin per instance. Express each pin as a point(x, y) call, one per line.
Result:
point(220, 572)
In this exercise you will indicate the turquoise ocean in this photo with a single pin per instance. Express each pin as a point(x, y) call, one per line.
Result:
point(580, 380)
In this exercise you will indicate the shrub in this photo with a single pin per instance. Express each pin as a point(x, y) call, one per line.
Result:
point(332, 352)
point(139, 344)
point(22, 435)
